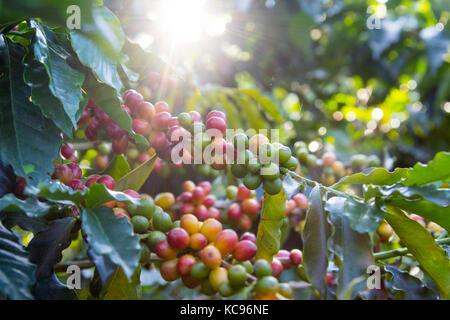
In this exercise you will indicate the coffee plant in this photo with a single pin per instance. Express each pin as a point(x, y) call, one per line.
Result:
point(93, 128)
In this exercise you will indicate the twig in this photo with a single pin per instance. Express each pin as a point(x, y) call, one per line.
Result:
point(402, 251)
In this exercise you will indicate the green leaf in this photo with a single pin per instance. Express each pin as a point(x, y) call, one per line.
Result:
point(119, 287)
point(437, 169)
point(31, 206)
point(250, 111)
point(57, 192)
point(17, 273)
point(265, 102)
point(52, 289)
point(269, 228)
point(137, 177)
point(421, 245)
point(62, 81)
point(99, 194)
point(354, 250)
point(11, 219)
point(118, 167)
point(233, 117)
point(315, 236)
point(408, 287)
point(46, 246)
point(299, 29)
point(28, 141)
point(376, 176)
point(363, 216)
point(113, 237)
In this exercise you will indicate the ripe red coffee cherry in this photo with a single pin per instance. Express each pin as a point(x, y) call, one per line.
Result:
point(198, 241)
point(159, 141)
point(169, 270)
point(195, 116)
point(209, 201)
point(187, 208)
point(201, 212)
point(85, 117)
point(214, 213)
point(330, 278)
point(248, 236)
point(173, 122)
point(216, 123)
point(91, 131)
point(285, 260)
point(188, 186)
point(132, 193)
point(165, 251)
point(328, 159)
point(185, 264)
point(108, 181)
point(296, 256)
point(77, 184)
point(206, 186)
point(191, 282)
point(226, 241)
point(161, 106)
point(67, 151)
point(244, 250)
point(76, 171)
point(277, 267)
point(143, 157)
point(141, 126)
point(234, 212)
point(114, 131)
point(64, 174)
point(211, 257)
point(120, 145)
point(301, 200)
point(161, 121)
point(243, 193)
point(245, 223)
point(178, 238)
point(198, 195)
point(216, 113)
point(146, 111)
point(92, 179)
point(290, 205)
point(250, 207)
point(132, 98)
point(185, 197)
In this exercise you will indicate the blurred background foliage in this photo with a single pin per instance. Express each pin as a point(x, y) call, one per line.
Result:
point(318, 70)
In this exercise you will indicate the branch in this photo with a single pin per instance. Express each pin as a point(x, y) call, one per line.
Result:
point(401, 251)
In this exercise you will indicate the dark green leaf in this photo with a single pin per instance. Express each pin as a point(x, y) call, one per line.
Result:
point(315, 236)
point(28, 141)
point(57, 192)
point(113, 237)
point(31, 206)
point(363, 216)
point(46, 247)
point(408, 287)
point(16, 270)
point(52, 289)
point(35, 225)
point(98, 194)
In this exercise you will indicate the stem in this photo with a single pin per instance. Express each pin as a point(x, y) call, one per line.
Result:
point(250, 278)
point(402, 251)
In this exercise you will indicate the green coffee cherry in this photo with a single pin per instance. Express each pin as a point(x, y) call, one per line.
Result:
point(231, 192)
point(262, 268)
point(104, 148)
point(267, 285)
point(254, 167)
point(238, 170)
point(237, 276)
point(145, 254)
point(161, 220)
point(140, 224)
point(270, 171)
point(225, 289)
point(146, 208)
point(200, 271)
point(248, 266)
point(302, 154)
point(311, 160)
point(285, 290)
point(240, 140)
point(273, 187)
point(291, 164)
point(207, 288)
point(185, 120)
point(154, 238)
point(252, 181)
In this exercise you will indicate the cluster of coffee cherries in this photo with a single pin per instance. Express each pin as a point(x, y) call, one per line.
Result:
point(299, 201)
point(245, 206)
point(197, 200)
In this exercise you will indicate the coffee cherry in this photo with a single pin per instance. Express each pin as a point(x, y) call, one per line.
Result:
point(273, 187)
point(198, 195)
point(231, 192)
point(114, 131)
point(240, 141)
point(270, 171)
point(165, 251)
point(191, 282)
point(301, 200)
point(159, 141)
point(187, 208)
point(225, 289)
point(234, 212)
point(132, 193)
point(185, 120)
point(185, 264)
point(195, 116)
point(252, 181)
point(285, 261)
point(245, 222)
point(206, 186)
point(101, 162)
point(216, 113)
point(161, 106)
point(217, 124)
point(339, 168)
point(211, 257)
point(290, 206)
point(92, 179)
point(154, 238)
point(248, 236)
point(143, 157)
point(291, 164)
point(373, 161)
point(165, 200)
point(328, 158)
point(161, 121)
point(284, 153)
point(285, 290)
point(210, 229)
point(198, 241)
point(214, 213)
point(188, 186)
point(77, 184)
point(132, 98)
point(200, 270)
point(359, 160)
point(108, 181)
point(243, 193)
point(146, 208)
point(168, 270)
point(226, 241)
point(76, 171)
point(146, 111)
point(385, 231)
point(189, 222)
point(237, 276)
point(201, 212)
point(250, 207)
point(207, 288)
point(178, 238)
point(140, 224)
point(161, 220)
point(330, 279)
point(256, 142)
point(277, 267)
point(296, 256)
point(67, 151)
point(248, 266)
point(218, 276)
point(141, 126)
point(254, 167)
point(64, 174)
point(267, 285)
point(262, 268)
point(244, 250)
point(120, 145)
point(239, 170)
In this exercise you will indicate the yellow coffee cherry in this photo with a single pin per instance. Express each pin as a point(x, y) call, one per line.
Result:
point(218, 276)
point(165, 200)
